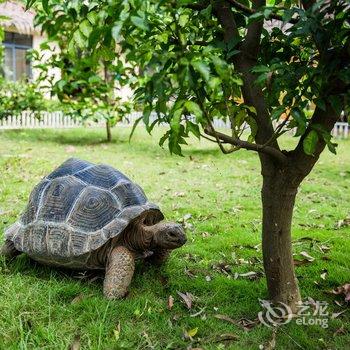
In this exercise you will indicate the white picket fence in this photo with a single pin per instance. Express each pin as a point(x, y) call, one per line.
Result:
point(57, 120)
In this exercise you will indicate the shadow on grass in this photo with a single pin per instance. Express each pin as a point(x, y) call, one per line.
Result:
point(96, 137)
point(76, 137)
point(26, 266)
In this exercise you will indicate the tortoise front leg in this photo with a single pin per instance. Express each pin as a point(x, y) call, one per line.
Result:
point(119, 271)
point(8, 250)
point(158, 257)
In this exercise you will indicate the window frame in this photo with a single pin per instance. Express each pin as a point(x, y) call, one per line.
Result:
point(13, 48)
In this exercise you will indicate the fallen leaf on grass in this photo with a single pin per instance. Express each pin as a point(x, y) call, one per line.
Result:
point(187, 217)
point(298, 262)
point(198, 313)
point(225, 318)
point(78, 299)
point(222, 268)
point(75, 345)
point(251, 275)
point(192, 257)
point(324, 274)
point(324, 248)
point(337, 314)
point(340, 331)
point(179, 194)
point(344, 289)
point(247, 246)
point(189, 273)
point(247, 324)
point(271, 344)
point(170, 302)
point(117, 332)
point(336, 302)
point(343, 223)
point(187, 298)
point(307, 256)
point(190, 333)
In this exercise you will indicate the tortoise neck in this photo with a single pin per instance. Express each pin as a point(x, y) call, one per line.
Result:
point(138, 238)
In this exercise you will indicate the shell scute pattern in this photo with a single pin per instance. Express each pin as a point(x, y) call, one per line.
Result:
point(31, 210)
point(58, 199)
point(102, 176)
point(78, 243)
point(58, 237)
point(77, 209)
point(18, 238)
point(36, 240)
point(93, 210)
point(69, 167)
point(129, 194)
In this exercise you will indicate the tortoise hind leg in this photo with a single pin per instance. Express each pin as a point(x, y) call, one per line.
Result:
point(8, 250)
point(119, 271)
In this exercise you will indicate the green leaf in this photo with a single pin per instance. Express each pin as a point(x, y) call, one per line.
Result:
point(299, 116)
point(332, 147)
point(176, 119)
point(183, 20)
point(253, 128)
point(336, 103)
point(320, 104)
point(146, 114)
point(277, 112)
point(193, 128)
point(92, 17)
point(116, 31)
point(79, 38)
point(310, 142)
point(202, 68)
point(164, 138)
point(29, 4)
point(85, 27)
point(194, 108)
point(45, 4)
point(94, 79)
point(139, 22)
point(137, 121)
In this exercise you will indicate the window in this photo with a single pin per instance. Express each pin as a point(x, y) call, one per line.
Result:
point(16, 64)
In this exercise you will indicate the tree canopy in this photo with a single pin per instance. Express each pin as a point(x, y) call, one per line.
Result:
point(187, 59)
point(264, 67)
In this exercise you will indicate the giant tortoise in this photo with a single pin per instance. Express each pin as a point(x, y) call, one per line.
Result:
point(87, 216)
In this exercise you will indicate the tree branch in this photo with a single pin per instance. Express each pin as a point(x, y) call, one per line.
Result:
point(244, 62)
point(198, 6)
point(251, 44)
point(278, 155)
point(250, 11)
point(302, 161)
point(226, 19)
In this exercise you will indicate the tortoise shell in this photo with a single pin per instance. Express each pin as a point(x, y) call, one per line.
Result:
point(77, 209)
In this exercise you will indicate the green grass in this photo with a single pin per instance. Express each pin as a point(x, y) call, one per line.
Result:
point(43, 308)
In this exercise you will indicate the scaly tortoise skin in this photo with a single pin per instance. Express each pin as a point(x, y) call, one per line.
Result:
point(87, 216)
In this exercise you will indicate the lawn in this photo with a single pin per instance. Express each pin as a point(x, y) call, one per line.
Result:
point(218, 198)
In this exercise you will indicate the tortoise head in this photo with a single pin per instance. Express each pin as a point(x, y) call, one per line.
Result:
point(167, 235)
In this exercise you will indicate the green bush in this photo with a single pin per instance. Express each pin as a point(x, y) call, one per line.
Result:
point(16, 97)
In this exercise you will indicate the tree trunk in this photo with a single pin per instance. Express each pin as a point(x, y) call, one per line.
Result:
point(278, 197)
point(109, 132)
